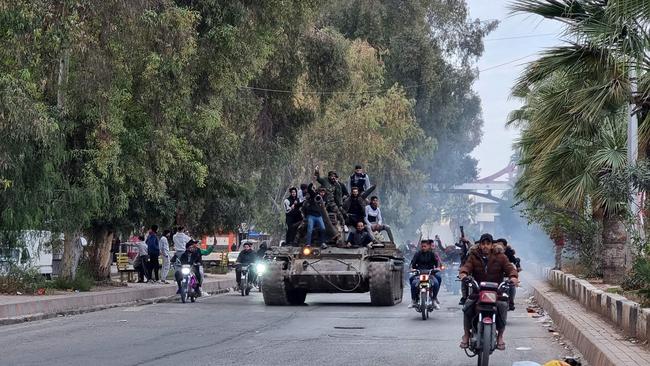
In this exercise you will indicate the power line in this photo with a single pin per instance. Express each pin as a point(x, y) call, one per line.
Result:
point(371, 91)
point(507, 63)
point(520, 37)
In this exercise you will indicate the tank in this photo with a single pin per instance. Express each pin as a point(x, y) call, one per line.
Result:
point(294, 272)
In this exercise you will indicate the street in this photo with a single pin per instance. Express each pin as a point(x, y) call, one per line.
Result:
point(228, 329)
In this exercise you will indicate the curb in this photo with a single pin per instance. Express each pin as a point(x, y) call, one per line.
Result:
point(585, 343)
point(50, 308)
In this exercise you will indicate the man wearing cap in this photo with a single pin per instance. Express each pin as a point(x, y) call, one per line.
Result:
point(487, 263)
point(191, 256)
point(359, 179)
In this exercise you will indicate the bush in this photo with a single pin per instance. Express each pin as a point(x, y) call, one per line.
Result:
point(84, 281)
point(639, 278)
point(21, 279)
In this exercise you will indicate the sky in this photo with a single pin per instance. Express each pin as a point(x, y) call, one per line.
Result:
point(495, 81)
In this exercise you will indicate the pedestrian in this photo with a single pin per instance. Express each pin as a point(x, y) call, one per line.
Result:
point(141, 262)
point(153, 249)
point(164, 252)
point(180, 238)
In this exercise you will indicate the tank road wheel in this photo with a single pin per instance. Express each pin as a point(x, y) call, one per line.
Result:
point(296, 296)
point(385, 284)
point(274, 290)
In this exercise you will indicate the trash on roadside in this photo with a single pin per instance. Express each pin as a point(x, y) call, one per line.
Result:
point(124, 321)
point(18, 293)
point(40, 291)
point(523, 348)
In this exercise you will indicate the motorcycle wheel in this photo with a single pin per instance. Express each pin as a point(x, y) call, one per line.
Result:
point(243, 286)
point(424, 307)
point(248, 290)
point(183, 293)
point(486, 344)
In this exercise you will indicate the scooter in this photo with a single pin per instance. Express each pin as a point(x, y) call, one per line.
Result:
point(425, 306)
point(483, 335)
point(189, 284)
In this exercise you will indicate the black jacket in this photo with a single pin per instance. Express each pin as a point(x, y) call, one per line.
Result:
point(425, 260)
point(359, 239)
point(191, 258)
point(245, 257)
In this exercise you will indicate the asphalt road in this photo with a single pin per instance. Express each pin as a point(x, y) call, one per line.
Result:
point(228, 329)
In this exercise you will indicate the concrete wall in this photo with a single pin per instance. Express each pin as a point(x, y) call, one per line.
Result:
point(625, 314)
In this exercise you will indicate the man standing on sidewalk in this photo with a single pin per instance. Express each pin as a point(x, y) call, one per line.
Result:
point(153, 249)
point(164, 252)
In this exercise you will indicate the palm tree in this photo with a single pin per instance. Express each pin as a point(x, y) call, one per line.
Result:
point(577, 95)
point(563, 159)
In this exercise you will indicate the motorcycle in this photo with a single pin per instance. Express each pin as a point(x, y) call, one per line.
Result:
point(449, 276)
point(245, 283)
point(425, 305)
point(260, 268)
point(189, 284)
point(483, 335)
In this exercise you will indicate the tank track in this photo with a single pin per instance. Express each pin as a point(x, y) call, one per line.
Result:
point(274, 290)
point(384, 291)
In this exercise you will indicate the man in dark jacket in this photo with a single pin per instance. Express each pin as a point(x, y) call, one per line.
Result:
point(313, 209)
point(359, 237)
point(509, 251)
point(192, 257)
point(487, 263)
point(425, 260)
point(355, 206)
point(293, 216)
point(359, 179)
point(153, 250)
point(246, 257)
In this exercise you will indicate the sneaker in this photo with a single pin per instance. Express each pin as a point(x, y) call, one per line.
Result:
point(413, 304)
point(462, 301)
point(203, 293)
point(436, 306)
point(323, 246)
point(511, 307)
point(165, 282)
point(178, 292)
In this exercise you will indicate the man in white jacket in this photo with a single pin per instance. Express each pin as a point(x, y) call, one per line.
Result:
point(163, 243)
point(374, 220)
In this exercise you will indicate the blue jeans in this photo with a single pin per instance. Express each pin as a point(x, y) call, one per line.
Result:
point(311, 220)
point(435, 286)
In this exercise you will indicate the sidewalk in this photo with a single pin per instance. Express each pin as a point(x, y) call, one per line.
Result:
point(595, 338)
point(16, 309)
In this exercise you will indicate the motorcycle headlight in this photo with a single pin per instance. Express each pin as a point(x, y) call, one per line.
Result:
point(260, 267)
point(185, 270)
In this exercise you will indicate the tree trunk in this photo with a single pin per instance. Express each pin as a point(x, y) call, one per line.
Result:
point(71, 253)
point(615, 256)
point(100, 257)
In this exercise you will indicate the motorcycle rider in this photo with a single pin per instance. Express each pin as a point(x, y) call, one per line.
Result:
point(191, 256)
point(509, 251)
point(465, 247)
point(246, 257)
point(487, 263)
point(425, 259)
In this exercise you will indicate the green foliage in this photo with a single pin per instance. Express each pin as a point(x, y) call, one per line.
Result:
point(203, 112)
point(83, 281)
point(25, 280)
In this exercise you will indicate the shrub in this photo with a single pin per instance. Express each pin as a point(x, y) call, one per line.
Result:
point(21, 279)
point(83, 281)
